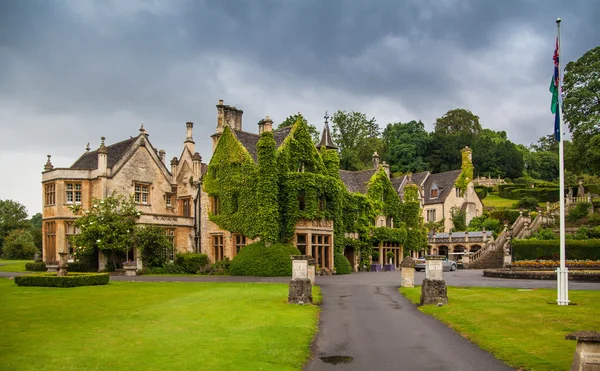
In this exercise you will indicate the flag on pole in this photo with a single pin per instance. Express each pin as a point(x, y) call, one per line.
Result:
point(555, 90)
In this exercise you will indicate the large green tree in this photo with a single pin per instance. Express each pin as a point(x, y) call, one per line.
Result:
point(13, 215)
point(314, 133)
point(581, 90)
point(357, 139)
point(405, 146)
point(36, 230)
point(495, 155)
point(457, 121)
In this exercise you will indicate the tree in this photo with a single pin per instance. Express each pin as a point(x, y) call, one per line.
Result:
point(581, 102)
point(108, 226)
point(357, 139)
point(154, 245)
point(405, 146)
point(18, 245)
point(456, 121)
point(36, 230)
point(13, 216)
point(314, 133)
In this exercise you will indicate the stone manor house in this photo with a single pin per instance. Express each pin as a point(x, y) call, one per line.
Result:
point(276, 186)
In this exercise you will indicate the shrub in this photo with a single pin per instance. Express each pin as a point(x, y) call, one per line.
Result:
point(581, 234)
point(579, 211)
point(72, 280)
point(527, 202)
point(191, 263)
point(169, 268)
point(505, 215)
point(546, 234)
point(36, 267)
point(154, 245)
point(539, 249)
point(18, 245)
point(219, 268)
point(593, 220)
point(259, 260)
point(594, 232)
point(482, 191)
point(82, 266)
point(341, 264)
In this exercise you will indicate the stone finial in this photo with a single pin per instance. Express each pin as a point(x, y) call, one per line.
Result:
point(174, 161)
point(375, 160)
point(102, 148)
point(87, 147)
point(407, 262)
point(197, 157)
point(189, 126)
point(161, 155)
point(48, 166)
point(143, 131)
point(220, 102)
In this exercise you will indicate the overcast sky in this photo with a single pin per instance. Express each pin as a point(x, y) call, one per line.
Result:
point(73, 71)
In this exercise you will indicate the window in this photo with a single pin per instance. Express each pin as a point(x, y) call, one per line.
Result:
point(70, 229)
point(431, 215)
point(218, 247)
point(50, 194)
point(169, 252)
point(301, 201)
point(434, 192)
point(50, 241)
point(457, 192)
point(301, 243)
point(142, 192)
point(322, 203)
point(320, 247)
point(73, 193)
point(214, 173)
point(186, 204)
point(215, 205)
point(388, 222)
point(240, 241)
point(169, 199)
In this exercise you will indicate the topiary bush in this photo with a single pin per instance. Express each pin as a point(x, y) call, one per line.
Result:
point(36, 267)
point(191, 263)
point(482, 191)
point(527, 202)
point(264, 261)
point(341, 264)
point(72, 280)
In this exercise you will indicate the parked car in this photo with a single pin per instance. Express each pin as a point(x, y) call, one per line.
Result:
point(447, 265)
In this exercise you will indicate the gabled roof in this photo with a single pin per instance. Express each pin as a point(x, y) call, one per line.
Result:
point(250, 140)
point(357, 181)
point(445, 182)
point(417, 178)
point(326, 140)
point(89, 160)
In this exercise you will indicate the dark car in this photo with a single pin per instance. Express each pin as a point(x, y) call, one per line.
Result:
point(447, 265)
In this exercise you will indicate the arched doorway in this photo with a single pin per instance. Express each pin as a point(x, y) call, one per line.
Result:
point(443, 250)
point(475, 248)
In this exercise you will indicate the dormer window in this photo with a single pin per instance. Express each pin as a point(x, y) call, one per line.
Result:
point(434, 191)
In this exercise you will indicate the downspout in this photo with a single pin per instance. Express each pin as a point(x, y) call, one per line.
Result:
point(197, 205)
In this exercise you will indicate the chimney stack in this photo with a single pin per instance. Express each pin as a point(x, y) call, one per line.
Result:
point(174, 163)
point(189, 140)
point(161, 155)
point(102, 158)
point(265, 124)
point(196, 164)
point(48, 166)
point(375, 160)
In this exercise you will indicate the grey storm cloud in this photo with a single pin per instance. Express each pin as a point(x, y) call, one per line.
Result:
point(71, 71)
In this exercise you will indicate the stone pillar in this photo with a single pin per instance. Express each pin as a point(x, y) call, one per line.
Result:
point(466, 258)
point(587, 352)
point(407, 272)
point(433, 290)
point(62, 265)
point(300, 291)
point(311, 269)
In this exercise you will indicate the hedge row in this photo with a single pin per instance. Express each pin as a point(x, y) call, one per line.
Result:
point(36, 267)
point(82, 266)
point(550, 249)
point(191, 263)
point(516, 192)
point(72, 280)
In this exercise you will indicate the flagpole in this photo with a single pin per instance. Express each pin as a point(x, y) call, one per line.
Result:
point(562, 273)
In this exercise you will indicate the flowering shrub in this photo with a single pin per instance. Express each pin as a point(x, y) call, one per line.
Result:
point(556, 264)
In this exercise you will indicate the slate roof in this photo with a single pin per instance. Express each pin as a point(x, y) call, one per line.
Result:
point(89, 160)
point(445, 182)
point(326, 140)
point(357, 181)
point(250, 140)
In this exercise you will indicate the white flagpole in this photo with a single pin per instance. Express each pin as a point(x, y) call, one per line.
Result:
point(562, 273)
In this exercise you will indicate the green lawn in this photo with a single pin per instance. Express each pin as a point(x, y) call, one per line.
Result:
point(496, 201)
point(13, 265)
point(525, 329)
point(154, 326)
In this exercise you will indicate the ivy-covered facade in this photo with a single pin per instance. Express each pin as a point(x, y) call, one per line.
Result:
point(278, 186)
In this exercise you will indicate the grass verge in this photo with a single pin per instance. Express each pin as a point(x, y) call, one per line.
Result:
point(13, 265)
point(154, 326)
point(525, 329)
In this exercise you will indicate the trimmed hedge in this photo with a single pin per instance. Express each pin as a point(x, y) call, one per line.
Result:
point(516, 192)
point(341, 264)
point(482, 191)
point(191, 263)
point(81, 266)
point(36, 267)
point(264, 261)
point(550, 249)
point(72, 280)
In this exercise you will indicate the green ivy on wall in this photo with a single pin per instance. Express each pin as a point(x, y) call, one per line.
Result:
point(467, 172)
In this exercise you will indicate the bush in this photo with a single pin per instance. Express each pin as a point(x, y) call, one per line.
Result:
point(154, 245)
point(169, 268)
point(219, 268)
point(36, 267)
point(82, 266)
point(18, 245)
point(545, 234)
point(594, 232)
point(579, 211)
point(502, 215)
point(341, 264)
point(72, 280)
point(581, 234)
point(539, 249)
point(527, 202)
point(482, 191)
point(267, 261)
point(191, 263)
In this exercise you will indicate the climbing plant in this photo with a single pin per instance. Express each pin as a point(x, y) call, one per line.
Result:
point(466, 174)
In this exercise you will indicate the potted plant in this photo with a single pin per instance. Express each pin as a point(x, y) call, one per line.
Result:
point(52, 265)
point(375, 266)
point(389, 267)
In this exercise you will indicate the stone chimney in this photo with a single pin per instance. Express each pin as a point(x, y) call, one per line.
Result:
point(196, 164)
point(265, 125)
point(469, 153)
point(226, 116)
point(48, 166)
point(161, 155)
point(102, 158)
point(375, 160)
point(189, 140)
point(174, 163)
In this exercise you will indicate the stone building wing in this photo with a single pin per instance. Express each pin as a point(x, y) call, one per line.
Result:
point(357, 181)
point(89, 160)
point(445, 182)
